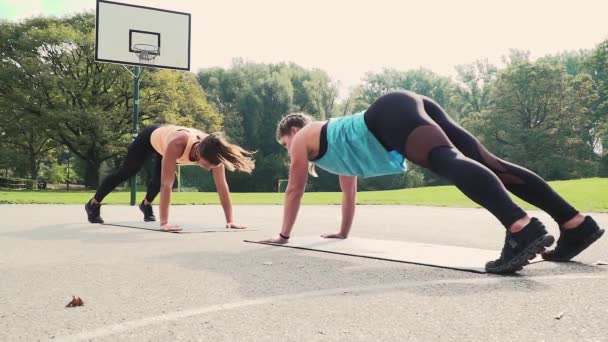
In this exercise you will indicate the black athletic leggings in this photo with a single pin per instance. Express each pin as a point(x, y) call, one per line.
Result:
point(421, 130)
point(139, 151)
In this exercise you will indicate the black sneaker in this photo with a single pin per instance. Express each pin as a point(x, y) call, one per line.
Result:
point(93, 212)
point(148, 212)
point(573, 241)
point(521, 247)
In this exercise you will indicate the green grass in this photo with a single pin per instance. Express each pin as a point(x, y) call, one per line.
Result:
point(585, 194)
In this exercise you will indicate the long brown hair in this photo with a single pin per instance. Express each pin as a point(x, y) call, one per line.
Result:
point(295, 120)
point(216, 150)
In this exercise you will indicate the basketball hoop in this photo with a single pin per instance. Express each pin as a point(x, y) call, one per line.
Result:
point(146, 53)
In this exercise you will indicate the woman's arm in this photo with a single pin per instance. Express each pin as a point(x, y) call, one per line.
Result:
point(348, 184)
point(175, 147)
point(298, 175)
point(221, 185)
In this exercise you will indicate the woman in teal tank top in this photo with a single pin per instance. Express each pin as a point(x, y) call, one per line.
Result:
point(402, 125)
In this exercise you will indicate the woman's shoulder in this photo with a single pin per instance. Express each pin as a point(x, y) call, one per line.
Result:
point(314, 126)
point(310, 133)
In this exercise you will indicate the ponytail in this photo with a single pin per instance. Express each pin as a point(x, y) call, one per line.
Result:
point(215, 149)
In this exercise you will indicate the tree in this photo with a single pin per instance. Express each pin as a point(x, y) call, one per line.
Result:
point(56, 83)
point(473, 91)
point(21, 107)
point(354, 103)
point(253, 98)
point(597, 66)
point(27, 136)
point(58, 91)
point(539, 118)
point(8, 157)
point(420, 81)
point(177, 98)
point(574, 62)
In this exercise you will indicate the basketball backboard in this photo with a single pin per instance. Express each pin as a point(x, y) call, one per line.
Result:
point(123, 29)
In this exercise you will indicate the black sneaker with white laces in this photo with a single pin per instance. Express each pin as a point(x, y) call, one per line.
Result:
point(148, 212)
point(93, 212)
point(572, 242)
point(521, 247)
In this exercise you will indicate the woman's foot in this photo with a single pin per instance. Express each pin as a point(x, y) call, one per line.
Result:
point(170, 227)
point(573, 241)
point(148, 211)
point(521, 247)
point(93, 211)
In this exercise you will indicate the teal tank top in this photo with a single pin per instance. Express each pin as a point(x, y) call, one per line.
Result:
point(352, 150)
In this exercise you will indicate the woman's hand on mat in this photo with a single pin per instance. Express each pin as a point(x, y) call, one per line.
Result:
point(232, 225)
point(277, 239)
point(170, 227)
point(334, 236)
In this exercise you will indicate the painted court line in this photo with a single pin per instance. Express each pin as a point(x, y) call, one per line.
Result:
point(174, 316)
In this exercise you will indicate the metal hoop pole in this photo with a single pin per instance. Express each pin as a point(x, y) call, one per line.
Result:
point(135, 126)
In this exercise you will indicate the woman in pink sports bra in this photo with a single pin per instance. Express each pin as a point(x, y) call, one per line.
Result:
point(170, 145)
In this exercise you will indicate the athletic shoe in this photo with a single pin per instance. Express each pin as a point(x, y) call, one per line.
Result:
point(571, 242)
point(93, 212)
point(521, 247)
point(148, 212)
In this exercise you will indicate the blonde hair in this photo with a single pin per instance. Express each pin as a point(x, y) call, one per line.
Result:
point(215, 149)
point(295, 120)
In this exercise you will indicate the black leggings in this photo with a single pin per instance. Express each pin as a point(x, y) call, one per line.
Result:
point(421, 130)
point(139, 151)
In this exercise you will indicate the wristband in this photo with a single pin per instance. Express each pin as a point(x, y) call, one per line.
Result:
point(284, 236)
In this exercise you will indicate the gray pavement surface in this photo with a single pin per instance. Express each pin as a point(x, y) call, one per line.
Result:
point(142, 285)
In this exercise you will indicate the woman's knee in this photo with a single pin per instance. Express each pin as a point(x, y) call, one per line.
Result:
point(488, 159)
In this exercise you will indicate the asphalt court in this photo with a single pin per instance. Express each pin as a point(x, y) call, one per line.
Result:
point(140, 285)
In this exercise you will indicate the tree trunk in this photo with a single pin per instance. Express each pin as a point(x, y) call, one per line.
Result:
point(34, 166)
point(91, 177)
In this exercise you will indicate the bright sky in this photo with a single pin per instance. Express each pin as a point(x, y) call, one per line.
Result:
point(347, 38)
